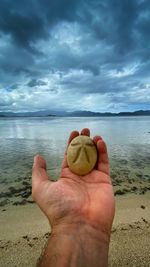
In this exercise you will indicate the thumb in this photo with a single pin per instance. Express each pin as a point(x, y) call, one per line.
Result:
point(39, 173)
point(39, 162)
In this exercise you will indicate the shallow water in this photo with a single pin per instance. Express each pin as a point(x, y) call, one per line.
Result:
point(115, 130)
point(127, 138)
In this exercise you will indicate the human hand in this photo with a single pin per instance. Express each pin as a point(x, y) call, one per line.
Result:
point(76, 200)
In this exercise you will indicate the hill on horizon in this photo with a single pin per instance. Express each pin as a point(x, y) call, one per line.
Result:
point(79, 113)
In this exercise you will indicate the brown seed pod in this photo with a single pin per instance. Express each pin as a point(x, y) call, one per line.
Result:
point(81, 155)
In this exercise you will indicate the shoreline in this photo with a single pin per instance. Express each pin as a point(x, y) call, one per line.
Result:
point(24, 231)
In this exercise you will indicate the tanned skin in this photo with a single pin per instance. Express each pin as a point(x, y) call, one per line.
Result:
point(80, 210)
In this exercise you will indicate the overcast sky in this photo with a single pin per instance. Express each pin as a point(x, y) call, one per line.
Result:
point(74, 55)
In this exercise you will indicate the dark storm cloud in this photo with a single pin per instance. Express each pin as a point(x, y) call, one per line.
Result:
point(75, 47)
point(28, 21)
point(122, 24)
point(114, 21)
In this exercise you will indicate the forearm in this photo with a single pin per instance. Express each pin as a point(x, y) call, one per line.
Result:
point(82, 246)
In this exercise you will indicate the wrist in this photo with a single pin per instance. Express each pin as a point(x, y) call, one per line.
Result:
point(81, 244)
point(72, 245)
point(81, 229)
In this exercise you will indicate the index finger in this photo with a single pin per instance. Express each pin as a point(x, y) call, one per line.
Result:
point(71, 137)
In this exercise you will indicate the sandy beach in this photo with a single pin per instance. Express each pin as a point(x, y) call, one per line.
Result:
point(24, 231)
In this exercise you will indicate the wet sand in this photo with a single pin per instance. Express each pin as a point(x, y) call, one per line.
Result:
point(24, 231)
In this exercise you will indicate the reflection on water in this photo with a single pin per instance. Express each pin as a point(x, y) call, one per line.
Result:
point(122, 130)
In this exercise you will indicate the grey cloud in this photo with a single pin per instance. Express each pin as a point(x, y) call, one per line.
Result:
point(110, 37)
point(34, 82)
point(121, 24)
point(14, 86)
point(114, 21)
point(28, 22)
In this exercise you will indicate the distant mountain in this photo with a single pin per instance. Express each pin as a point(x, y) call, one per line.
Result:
point(79, 113)
point(27, 114)
point(107, 114)
point(136, 113)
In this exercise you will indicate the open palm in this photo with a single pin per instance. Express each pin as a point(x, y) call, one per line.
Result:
point(76, 199)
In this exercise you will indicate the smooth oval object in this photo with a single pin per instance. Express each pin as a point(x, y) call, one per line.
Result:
point(81, 155)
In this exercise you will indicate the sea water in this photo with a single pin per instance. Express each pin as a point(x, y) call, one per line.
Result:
point(127, 138)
